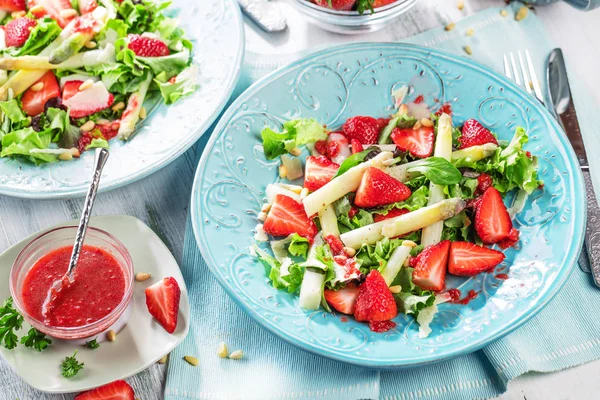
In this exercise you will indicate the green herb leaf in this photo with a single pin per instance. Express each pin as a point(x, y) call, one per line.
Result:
point(352, 161)
point(10, 322)
point(438, 170)
point(36, 339)
point(70, 366)
point(92, 344)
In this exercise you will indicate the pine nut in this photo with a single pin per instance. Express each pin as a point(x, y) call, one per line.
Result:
point(460, 5)
point(303, 193)
point(90, 45)
point(88, 126)
point(222, 350)
point(282, 171)
point(294, 188)
point(296, 151)
point(119, 106)
point(262, 216)
point(450, 26)
point(396, 289)
point(68, 13)
point(143, 113)
point(470, 32)
point(191, 360)
point(403, 109)
point(37, 87)
point(142, 276)
point(427, 122)
point(265, 207)
point(418, 125)
point(115, 126)
point(18, 14)
point(468, 50)
point(37, 9)
point(504, 13)
point(102, 121)
point(86, 85)
point(349, 251)
point(409, 243)
point(66, 156)
point(236, 355)
point(522, 13)
point(164, 359)
point(111, 336)
point(75, 152)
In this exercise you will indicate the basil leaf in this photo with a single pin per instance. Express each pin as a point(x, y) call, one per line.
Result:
point(438, 170)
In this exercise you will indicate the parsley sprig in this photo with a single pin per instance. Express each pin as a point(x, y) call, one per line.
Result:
point(92, 344)
point(11, 322)
point(70, 366)
point(36, 339)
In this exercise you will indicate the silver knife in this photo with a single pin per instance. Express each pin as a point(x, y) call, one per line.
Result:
point(562, 102)
point(265, 13)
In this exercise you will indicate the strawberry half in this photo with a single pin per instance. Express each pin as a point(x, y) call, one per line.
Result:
point(343, 5)
point(378, 188)
point(162, 300)
point(343, 300)
point(468, 259)
point(34, 101)
point(87, 6)
point(117, 390)
point(18, 30)
point(511, 240)
point(492, 222)
point(287, 216)
point(475, 134)
point(12, 5)
point(147, 47)
point(418, 142)
point(318, 172)
point(375, 302)
point(357, 146)
point(430, 266)
point(395, 212)
point(364, 129)
point(53, 9)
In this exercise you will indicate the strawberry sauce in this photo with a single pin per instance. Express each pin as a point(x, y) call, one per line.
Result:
point(97, 288)
point(502, 277)
point(455, 296)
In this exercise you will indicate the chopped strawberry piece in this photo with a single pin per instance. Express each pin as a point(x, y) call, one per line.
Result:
point(162, 300)
point(108, 131)
point(381, 326)
point(12, 5)
point(468, 259)
point(474, 203)
point(348, 265)
point(353, 211)
point(343, 300)
point(420, 98)
point(147, 47)
point(87, 6)
point(117, 390)
point(341, 5)
point(287, 216)
point(511, 240)
point(34, 101)
point(333, 149)
point(484, 181)
point(338, 147)
point(321, 147)
point(418, 142)
point(475, 134)
point(445, 108)
point(395, 212)
point(84, 141)
point(357, 147)
point(375, 302)
point(18, 30)
point(318, 172)
point(364, 129)
point(492, 222)
point(383, 122)
point(335, 244)
point(430, 266)
point(53, 9)
point(378, 188)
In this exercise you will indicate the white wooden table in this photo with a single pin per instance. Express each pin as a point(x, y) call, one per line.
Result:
point(162, 199)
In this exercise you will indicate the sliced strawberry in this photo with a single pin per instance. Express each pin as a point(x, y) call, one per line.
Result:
point(418, 142)
point(34, 101)
point(381, 326)
point(321, 147)
point(335, 244)
point(484, 181)
point(18, 30)
point(348, 265)
point(492, 222)
point(353, 211)
point(162, 300)
point(342, 5)
point(87, 102)
point(378, 188)
point(53, 9)
point(342, 300)
point(357, 147)
point(338, 147)
point(430, 266)
point(511, 240)
point(475, 134)
point(468, 259)
point(12, 5)
point(70, 89)
point(117, 390)
point(364, 129)
point(87, 6)
point(147, 47)
point(395, 212)
point(318, 172)
point(375, 302)
point(287, 216)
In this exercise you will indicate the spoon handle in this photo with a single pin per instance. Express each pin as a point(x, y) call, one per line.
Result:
point(100, 160)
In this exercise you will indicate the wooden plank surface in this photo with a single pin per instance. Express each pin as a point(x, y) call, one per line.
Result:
point(162, 199)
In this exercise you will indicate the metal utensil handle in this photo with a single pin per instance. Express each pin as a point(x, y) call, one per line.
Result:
point(592, 229)
point(100, 160)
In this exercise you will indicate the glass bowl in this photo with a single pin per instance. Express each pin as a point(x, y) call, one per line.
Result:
point(351, 22)
point(55, 239)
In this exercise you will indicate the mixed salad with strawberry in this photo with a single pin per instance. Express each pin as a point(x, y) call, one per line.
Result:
point(75, 74)
point(371, 222)
point(357, 5)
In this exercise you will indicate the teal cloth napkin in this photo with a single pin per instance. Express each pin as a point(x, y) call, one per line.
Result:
point(564, 334)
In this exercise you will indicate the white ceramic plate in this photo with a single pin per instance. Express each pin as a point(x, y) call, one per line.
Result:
point(140, 344)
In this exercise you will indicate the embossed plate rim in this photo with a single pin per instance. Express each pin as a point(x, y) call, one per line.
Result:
point(559, 280)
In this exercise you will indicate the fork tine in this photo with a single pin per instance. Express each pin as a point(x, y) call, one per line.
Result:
point(526, 80)
point(534, 80)
point(507, 68)
point(514, 68)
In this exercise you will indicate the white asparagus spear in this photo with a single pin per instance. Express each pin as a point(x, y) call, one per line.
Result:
point(310, 289)
point(432, 234)
point(131, 115)
point(342, 185)
point(3, 72)
point(328, 221)
point(403, 224)
point(475, 153)
point(79, 60)
point(396, 261)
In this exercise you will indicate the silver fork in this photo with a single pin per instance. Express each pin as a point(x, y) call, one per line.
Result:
point(527, 73)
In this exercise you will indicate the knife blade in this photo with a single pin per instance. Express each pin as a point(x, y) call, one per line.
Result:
point(564, 107)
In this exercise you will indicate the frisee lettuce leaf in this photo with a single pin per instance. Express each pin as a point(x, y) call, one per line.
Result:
point(290, 281)
point(417, 199)
point(376, 256)
point(185, 84)
point(295, 133)
point(412, 300)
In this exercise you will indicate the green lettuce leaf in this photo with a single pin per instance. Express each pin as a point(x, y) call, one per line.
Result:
point(185, 84)
point(412, 300)
point(342, 209)
point(401, 121)
point(145, 16)
point(295, 133)
point(417, 199)
point(376, 256)
point(290, 281)
point(298, 246)
point(97, 143)
point(276, 144)
point(19, 143)
point(457, 228)
point(170, 65)
point(356, 159)
point(14, 117)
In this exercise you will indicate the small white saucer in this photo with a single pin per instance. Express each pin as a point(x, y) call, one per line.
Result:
point(142, 341)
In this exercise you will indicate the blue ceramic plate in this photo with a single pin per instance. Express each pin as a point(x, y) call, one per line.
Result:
point(218, 36)
point(358, 80)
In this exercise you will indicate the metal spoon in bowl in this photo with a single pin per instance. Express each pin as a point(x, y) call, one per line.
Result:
point(67, 279)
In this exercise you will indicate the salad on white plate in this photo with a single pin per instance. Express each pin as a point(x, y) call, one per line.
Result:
point(75, 74)
point(372, 221)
